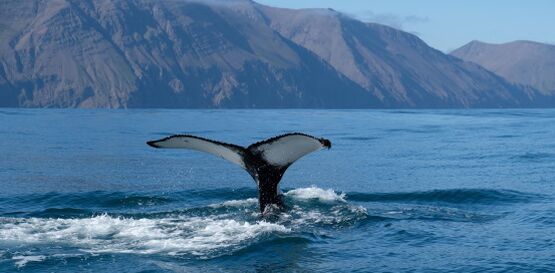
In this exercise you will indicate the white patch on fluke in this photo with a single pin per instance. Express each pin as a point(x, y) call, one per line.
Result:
point(314, 192)
point(226, 152)
point(288, 149)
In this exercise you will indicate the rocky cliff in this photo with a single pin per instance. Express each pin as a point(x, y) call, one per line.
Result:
point(190, 54)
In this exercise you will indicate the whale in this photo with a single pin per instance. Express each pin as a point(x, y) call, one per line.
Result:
point(266, 161)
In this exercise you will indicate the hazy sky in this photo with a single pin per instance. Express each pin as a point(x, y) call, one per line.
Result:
point(447, 25)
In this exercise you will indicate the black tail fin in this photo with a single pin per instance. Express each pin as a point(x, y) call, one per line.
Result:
point(266, 161)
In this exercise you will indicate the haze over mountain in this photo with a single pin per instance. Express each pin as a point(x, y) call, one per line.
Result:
point(147, 53)
point(523, 62)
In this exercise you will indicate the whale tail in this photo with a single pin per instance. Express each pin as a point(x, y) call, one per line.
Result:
point(266, 161)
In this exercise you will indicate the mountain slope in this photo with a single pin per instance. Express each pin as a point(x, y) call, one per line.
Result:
point(160, 54)
point(394, 64)
point(226, 53)
point(521, 62)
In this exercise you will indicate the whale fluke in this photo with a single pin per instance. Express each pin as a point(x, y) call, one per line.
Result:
point(266, 161)
point(229, 152)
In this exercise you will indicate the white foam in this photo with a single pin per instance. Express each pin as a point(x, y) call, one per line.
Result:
point(21, 260)
point(186, 235)
point(299, 217)
point(314, 192)
point(203, 236)
point(237, 203)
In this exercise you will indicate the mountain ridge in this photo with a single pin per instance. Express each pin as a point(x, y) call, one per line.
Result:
point(522, 61)
point(227, 54)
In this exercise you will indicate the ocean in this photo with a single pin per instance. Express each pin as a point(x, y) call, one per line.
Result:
point(399, 191)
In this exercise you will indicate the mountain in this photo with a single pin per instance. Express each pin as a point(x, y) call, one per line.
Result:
point(226, 53)
point(158, 54)
point(523, 62)
point(393, 64)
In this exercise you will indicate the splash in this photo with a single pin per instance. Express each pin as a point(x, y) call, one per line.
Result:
point(22, 260)
point(315, 193)
point(190, 235)
point(212, 230)
point(237, 203)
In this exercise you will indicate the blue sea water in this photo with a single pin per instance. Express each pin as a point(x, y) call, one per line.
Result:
point(400, 191)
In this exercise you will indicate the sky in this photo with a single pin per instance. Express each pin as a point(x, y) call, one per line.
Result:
point(448, 25)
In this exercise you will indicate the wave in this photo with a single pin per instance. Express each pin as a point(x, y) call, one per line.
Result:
point(506, 136)
point(534, 157)
point(453, 196)
point(91, 199)
point(237, 203)
point(226, 226)
point(72, 203)
point(104, 233)
point(203, 231)
point(22, 260)
point(315, 193)
point(60, 212)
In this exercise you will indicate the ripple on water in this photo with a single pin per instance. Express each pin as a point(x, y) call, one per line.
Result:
point(205, 231)
point(452, 196)
point(221, 228)
point(533, 157)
